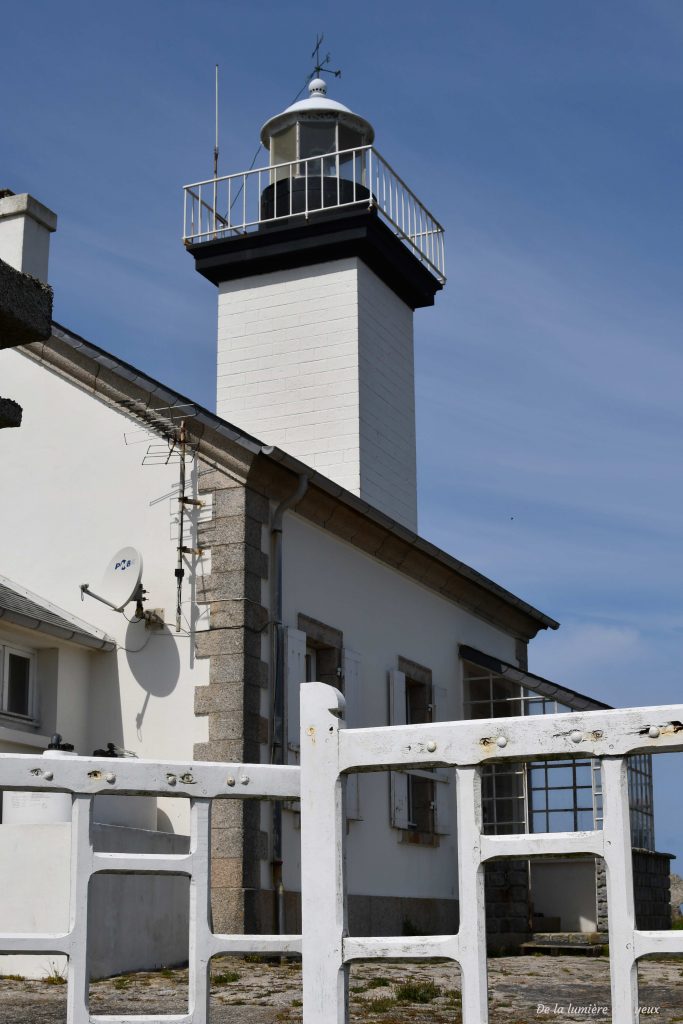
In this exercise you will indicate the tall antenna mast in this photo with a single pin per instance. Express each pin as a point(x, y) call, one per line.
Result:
point(215, 148)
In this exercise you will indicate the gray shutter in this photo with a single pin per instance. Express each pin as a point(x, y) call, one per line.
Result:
point(352, 693)
point(443, 791)
point(398, 781)
point(295, 660)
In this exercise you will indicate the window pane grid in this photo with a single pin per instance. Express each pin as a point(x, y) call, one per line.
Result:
point(551, 796)
point(555, 795)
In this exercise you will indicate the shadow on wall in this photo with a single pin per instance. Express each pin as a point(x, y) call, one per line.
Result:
point(105, 703)
point(154, 660)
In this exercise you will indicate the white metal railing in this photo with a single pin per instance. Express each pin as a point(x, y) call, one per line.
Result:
point(238, 203)
point(329, 752)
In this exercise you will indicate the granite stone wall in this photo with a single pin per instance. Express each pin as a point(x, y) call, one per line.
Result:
point(232, 700)
point(651, 887)
point(507, 899)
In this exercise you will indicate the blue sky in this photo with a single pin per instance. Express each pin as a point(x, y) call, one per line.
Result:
point(546, 137)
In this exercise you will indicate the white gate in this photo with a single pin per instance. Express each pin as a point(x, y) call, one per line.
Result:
point(328, 752)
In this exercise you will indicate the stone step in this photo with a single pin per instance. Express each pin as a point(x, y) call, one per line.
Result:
point(547, 949)
point(566, 943)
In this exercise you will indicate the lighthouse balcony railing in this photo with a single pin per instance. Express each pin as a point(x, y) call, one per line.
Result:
point(236, 204)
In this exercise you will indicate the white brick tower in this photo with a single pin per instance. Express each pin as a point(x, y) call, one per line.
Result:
point(320, 260)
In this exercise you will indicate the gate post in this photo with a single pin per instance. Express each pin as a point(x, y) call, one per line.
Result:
point(323, 901)
point(621, 916)
point(78, 973)
point(472, 929)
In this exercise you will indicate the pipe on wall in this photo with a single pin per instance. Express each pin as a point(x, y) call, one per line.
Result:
point(278, 745)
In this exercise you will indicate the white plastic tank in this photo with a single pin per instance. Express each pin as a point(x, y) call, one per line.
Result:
point(128, 811)
point(25, 808)
point(20, 807)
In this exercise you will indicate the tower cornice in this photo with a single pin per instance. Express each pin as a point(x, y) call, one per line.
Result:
point(322, 238)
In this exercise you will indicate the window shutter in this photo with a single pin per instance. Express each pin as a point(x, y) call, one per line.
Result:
point(295, 660)
point(352, 693)
point(443, 791)
point(398, 781)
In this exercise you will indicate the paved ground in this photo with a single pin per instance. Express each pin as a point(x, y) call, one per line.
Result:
point(522, 990)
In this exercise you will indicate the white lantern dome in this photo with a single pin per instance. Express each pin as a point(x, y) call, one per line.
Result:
point(314, 126)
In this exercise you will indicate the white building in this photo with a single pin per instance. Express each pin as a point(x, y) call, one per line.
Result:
point(288, 553)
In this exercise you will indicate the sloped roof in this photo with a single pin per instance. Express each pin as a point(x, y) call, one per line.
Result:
point(23, 608)
point(328, 504)
point(544, 687)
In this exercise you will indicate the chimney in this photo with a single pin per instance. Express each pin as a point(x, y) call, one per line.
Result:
point(25, 228)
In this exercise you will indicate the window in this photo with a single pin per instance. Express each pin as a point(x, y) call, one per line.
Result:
point(640, 800)
point(419, 796)
point(315, 653)
point(561, 796)
point(545, 796)
point(17, 678)
point(548, 796)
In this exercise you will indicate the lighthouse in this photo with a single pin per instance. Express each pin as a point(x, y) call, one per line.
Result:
point(320, 259)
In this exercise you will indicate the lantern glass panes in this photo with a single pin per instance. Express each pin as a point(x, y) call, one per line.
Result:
point(283, 150)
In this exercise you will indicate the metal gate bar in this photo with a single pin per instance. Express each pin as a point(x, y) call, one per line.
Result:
point(200, 783)
point(329, 751)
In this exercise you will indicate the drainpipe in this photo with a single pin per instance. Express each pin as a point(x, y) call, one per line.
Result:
point(278, 739)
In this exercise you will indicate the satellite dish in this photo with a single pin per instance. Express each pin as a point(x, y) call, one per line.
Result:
point(121, 582)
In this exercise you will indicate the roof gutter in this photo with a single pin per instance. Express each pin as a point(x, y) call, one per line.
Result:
point(38, 625)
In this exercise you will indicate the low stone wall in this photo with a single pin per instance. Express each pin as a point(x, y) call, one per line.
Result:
point(384, 915)
point(651, 889)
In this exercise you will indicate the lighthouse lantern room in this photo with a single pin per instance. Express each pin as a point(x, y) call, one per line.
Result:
point(317, 156)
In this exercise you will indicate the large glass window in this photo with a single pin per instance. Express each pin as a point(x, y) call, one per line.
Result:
point(641, 800)
point(547, 796)
point(560, 796)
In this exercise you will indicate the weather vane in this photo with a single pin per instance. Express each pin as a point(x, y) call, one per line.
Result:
point(320, 68)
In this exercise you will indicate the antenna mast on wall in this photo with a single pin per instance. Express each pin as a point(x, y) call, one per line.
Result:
point(184, 500)
point(215, 148)
point(171, 423)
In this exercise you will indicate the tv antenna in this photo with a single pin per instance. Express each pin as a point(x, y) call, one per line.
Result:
point(177, 446)
point(320, 65)
point(121, 583)
point(181, 441)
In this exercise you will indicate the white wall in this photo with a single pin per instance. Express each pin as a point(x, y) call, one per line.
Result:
point(79, 493)
point(383, 615)
point(319, 361)
point(135, 922)
point(387, 400)
point(565, 889)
